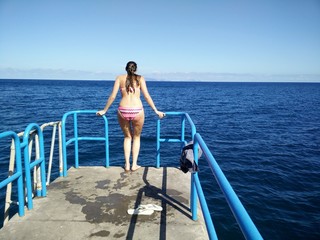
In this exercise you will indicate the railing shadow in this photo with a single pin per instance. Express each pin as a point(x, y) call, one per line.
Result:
point(157, 194)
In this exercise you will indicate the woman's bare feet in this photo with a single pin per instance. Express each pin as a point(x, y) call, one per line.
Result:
point(135, 168)
point(126, 169)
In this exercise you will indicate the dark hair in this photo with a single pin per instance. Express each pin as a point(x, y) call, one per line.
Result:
point(131, 68)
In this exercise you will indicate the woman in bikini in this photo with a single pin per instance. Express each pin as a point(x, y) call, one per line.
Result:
point(130, 111)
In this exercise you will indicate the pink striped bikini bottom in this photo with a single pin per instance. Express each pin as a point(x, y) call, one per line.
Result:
point(129, 113)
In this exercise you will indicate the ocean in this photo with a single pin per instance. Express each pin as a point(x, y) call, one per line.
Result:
point(264, 136)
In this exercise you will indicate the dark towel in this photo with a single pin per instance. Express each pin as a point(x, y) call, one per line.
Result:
point(187, 163)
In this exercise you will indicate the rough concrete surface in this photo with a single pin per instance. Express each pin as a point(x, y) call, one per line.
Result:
point(92, 203)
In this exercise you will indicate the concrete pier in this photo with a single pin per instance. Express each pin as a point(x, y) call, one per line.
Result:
point(92, 203)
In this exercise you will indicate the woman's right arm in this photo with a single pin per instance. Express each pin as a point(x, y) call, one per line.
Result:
point(111, 98)
point(148, 98)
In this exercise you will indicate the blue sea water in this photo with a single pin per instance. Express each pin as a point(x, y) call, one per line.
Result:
point(264, 136)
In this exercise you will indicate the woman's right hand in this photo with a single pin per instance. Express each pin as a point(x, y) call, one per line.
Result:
point(101, 113)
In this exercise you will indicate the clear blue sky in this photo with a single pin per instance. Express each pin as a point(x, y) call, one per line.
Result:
point(236, 40)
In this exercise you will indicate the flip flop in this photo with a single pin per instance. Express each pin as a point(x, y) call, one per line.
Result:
point(151, 207)
point(135, 169)
point(140, 211)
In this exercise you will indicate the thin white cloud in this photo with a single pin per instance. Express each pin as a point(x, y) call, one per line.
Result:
point(66, 74)
point(233, 77)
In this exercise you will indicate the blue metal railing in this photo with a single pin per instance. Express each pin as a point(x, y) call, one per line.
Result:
point(18, 174)
point(184, 117)
point(76, 138)
point(17, 147)
point(247, 226)
point(40, 160)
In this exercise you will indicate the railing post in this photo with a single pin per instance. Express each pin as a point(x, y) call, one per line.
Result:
point(18, 175)
point(42, 164)
point(20, 178)
point(37, 170)
point(158, 144)
point(183, 125)
point(28, 175)
point(76, 144)
point(203, 203)
point(194, 195)
point(107, 139)
point(7, 203)
point(60, 151)
point(64, 146)
point(193, 191)
point(54, 130)
point(29, 165)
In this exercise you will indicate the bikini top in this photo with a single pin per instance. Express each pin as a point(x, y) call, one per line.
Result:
point(131, 90)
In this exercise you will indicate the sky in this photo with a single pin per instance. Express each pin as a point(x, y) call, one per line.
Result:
point(206, 40)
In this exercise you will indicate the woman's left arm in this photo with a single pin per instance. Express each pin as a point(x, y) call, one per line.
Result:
point(148, 98)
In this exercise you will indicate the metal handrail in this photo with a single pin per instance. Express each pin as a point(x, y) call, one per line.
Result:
point(14, 176)
point(184, 116)
point(39, 161)
point(247, 227)
point(54, 126)
point(15, 153)
point(75, 139)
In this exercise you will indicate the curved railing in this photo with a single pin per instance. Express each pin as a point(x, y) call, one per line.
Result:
point(247, 226)
point(13, 176)
point(17, 146)
point(184, 117)
point(24, 141)
point(75, 139)
point(29, 165)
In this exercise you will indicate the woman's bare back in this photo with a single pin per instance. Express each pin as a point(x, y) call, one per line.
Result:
point(129, 98)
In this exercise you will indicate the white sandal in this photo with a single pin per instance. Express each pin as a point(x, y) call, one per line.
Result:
point(140, 211)
point(151, 207)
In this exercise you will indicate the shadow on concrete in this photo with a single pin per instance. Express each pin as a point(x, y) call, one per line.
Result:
point(160, 194)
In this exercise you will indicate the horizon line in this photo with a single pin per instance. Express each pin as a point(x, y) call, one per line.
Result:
point(62, 74)
point(166, 80)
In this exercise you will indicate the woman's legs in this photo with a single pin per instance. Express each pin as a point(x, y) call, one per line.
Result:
point(137, 125)
point(125, 126)
point(129, 135)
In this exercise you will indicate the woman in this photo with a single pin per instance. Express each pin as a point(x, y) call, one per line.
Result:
point(130, 111)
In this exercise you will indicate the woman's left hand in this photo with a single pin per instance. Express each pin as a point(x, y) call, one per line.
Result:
point(160, 114)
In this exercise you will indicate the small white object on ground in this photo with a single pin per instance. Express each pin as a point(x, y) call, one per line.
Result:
point(151, 207)
point(140, 211)
point(147, 209)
